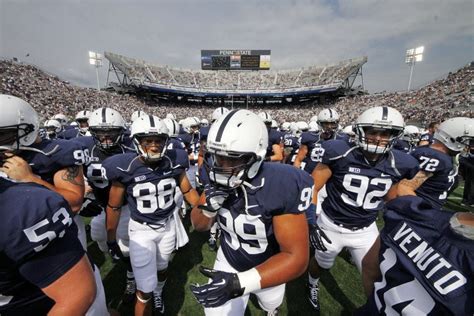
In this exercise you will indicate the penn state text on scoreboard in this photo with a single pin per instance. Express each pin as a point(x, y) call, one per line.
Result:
point(235, 59)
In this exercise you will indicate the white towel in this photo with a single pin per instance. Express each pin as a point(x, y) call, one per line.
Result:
point(181, 234)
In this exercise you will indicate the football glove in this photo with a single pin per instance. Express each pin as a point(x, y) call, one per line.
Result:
point(91, 208)
point(316, 236)
point(223, 287)
point(215, 197)
point(114, 250)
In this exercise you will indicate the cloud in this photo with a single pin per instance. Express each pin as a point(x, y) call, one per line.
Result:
point(58, 34)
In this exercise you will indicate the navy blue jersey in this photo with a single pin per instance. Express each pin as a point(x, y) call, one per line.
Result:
point(70, 133)
point(150, 192)
point(249, 240)
point(93, 168)
point(404, 146)
point(356, 188)
point(426, 268)
point(314, 141)
point(203, 132)
point(292, 143)
point(192, 143)
point(175, 143)
point(435, 189)
point(38, 244)
point(427, 138)
point(274, 138)
point(51, 156)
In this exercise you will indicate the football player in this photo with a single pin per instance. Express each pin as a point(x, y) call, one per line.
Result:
point(55, 164)
point(264, 231)
point(53, 128)
point(357, 178)
point(42, 260)
point(422, 263)
point(310, 151)
point(190, 139)
point(410, 139)
point(275, 143)
point(82, 121)
point(427, 139)
point(107, 127)
point(437, 173)
point(149, 181)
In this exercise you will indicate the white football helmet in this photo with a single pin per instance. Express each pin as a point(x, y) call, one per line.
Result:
point(285, 127)
point(240, 134)
point(191, 125)
point(314, 118)
point(173, 127)
point(136, 115)
point(107, 126)
point(456, 133)
point(19, 123)
point(328, 121)
point(411, 134)
point(171, 116)
point(61, 118)
point(349, 130)
point(218, 113)
point(379, 118)
point(146, 126)
point(53, 128)
point(302, 126)
point(274, 124)
point(204, 122)
point(82, 118)
point(313, 126)
point(265, 117)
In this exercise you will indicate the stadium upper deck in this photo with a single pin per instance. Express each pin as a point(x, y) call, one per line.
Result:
point(307, 80)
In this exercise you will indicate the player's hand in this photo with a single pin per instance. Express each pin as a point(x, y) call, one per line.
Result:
point(223, 287)
point(16, 168)
point(91, 208)
point(114, 250)
point(316, 236)
point(215, 197)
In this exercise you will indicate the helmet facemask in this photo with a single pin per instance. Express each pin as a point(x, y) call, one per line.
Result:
point(107, 138)
point(83, 125)
point(151, 147)
point(11, 138)
point(229, 169)
point(328, 128)
point(377, 139)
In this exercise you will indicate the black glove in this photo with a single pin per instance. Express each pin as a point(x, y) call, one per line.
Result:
point(91, 208)
point(224, 286)
point(215, 197)
point(316, 235)
point(114, 250)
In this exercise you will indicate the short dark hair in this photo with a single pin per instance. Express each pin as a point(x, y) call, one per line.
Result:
point(433, 124)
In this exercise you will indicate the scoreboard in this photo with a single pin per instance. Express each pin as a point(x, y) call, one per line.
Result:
point(235, 59)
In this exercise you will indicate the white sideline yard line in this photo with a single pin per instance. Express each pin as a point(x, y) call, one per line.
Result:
point(455, 198)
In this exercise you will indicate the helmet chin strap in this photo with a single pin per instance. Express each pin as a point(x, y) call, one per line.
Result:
point(246, 184)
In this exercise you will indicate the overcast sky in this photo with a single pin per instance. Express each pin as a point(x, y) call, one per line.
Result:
point(57, 34)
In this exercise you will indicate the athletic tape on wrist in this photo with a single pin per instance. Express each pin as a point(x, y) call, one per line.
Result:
point(249, 280)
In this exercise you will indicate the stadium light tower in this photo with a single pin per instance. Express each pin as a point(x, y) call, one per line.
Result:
point(96, 60)
point(413, 56)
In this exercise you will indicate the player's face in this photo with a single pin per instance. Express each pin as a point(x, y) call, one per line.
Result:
point(378, 136)
point(153, 145)
point(329, 126)
point(230, 165)
point(107, 137)
point(83, 123)
point(194, 129)
point(7, 138)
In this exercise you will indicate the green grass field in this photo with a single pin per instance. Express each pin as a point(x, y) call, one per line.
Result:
point(341, 289)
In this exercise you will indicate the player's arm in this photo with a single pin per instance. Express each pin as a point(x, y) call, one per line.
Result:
point(408, 187)
point(277, 152)
point(189, 193)
point(201, 153)
point(68, 182)
point(321, 174)
point(291, 233)
point(201, 220)
point(74, 292)
point(370, 267)
point(302, 152)
point(116, 195)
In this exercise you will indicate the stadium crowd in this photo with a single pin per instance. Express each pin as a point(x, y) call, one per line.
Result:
point(451, 96)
